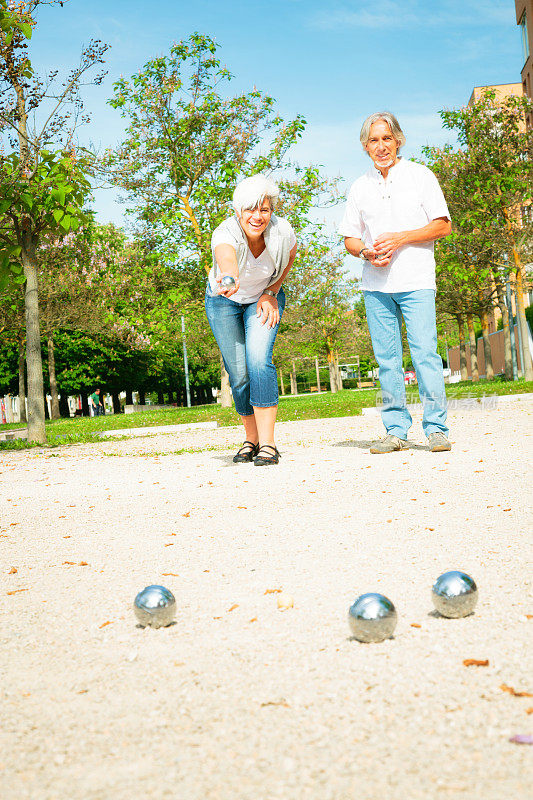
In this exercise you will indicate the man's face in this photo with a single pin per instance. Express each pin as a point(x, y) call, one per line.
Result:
point(382, 147)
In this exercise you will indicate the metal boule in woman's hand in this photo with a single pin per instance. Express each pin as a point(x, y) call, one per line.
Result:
point(227, 282)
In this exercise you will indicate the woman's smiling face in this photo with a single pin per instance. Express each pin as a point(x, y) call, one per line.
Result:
point(255, 220)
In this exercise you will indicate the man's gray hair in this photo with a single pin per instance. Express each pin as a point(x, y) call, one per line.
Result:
point(391, 121)
point(251, 192)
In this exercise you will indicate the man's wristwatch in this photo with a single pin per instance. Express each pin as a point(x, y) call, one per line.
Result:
point(270, 292)
point(362, 252)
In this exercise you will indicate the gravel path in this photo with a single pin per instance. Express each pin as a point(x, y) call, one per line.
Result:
point(238, 700)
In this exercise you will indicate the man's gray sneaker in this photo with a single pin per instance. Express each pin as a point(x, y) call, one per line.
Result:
point(389, 444)
point(438, 442)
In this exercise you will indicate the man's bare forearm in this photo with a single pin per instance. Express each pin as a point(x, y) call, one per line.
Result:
point(353, 246)
point(436, 229)
point(386, 244)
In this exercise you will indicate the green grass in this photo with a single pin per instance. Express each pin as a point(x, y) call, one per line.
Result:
point(347, 403)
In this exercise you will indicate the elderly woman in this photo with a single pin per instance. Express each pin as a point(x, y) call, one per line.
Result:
point(257, 250)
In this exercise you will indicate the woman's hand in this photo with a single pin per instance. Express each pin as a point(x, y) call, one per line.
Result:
point(227, 292)
point(268, 310)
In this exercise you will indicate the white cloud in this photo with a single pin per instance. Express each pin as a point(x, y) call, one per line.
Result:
point(403, 14)
point(387, 14)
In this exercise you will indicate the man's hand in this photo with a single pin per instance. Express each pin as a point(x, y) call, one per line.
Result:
point(375, 259)
point(227, 292)
point(387, 244)
point(268, 310)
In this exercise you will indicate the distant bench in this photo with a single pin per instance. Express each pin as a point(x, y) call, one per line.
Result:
point(366, 385)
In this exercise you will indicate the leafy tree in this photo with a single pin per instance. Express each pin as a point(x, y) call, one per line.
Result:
point(43, 174)
point(494, 137)
point(470, 270)
point(65, 297)
point(319, 320)
point(187, 144)
point(13, 338)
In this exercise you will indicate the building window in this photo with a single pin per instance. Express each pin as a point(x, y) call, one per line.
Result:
point(525, 38)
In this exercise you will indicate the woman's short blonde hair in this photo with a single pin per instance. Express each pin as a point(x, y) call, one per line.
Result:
point(391, 121)
point(251, 192)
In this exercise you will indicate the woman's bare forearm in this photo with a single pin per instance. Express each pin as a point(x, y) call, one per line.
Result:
point(226, 259)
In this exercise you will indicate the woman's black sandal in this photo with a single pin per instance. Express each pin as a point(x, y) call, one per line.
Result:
point(262, 461)
point(246, 453)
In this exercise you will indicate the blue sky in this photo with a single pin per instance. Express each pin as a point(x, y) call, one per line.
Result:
point(333, 62)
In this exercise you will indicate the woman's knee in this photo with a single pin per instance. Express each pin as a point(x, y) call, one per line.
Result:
point(238, 374)
point(262, 372)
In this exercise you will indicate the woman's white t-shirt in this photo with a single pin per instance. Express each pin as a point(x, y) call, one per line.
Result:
point(256, 275)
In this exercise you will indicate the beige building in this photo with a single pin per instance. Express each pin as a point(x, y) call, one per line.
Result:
point(524, 18)
point(502, 90)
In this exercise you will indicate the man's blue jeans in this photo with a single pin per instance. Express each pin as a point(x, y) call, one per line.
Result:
point(246, 348)
point(384, 315)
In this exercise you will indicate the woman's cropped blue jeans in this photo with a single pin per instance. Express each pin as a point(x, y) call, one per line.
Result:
point(384, 315)
point(246, 348)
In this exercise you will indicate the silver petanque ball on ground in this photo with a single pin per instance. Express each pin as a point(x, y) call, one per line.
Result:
point(227, 282)
point(454, 594)
point(155, 606)
point(372, 617)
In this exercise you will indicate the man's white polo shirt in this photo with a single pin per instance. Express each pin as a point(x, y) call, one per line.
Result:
point(409, 199)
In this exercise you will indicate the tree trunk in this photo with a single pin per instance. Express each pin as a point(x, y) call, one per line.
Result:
point(225, 389)
point(142, 397)
point(332, 376)
point(294, 382)
point(116, 402)
point(22, 383)
point(281, 384)
point(502, 305)
point(64, 409)
point(338, 375)
point(36, 427)
point(332, 365)
point(53, 379)
point(489, 369)
point(129, 397)
point(84, 405)
point(317, 370)
point(160, 398)
point(473, 347)
point(527, 366)
point(462, 349)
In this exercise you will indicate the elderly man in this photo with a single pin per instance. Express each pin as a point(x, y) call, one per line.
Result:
point(393, 216)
